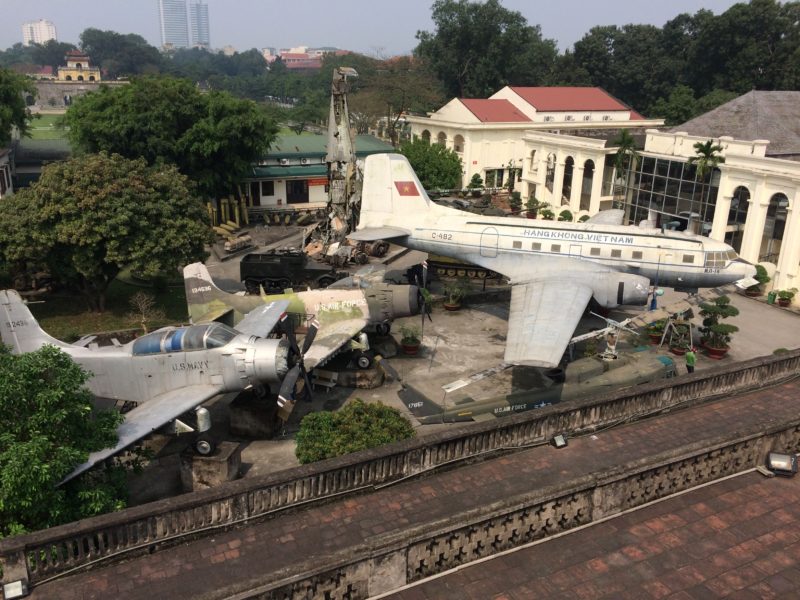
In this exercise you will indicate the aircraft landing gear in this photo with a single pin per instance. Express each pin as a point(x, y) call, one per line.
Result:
point(204, 446)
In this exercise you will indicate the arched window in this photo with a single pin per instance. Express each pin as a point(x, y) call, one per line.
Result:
point(91, 77)
point(426, 136)
point(80, 77)
point(68, 78)
point(551, 172)
point(566, 187)
point(774, 224)
point(586, 187)
point(458, 143)
point(737, 217)
point(441, 139)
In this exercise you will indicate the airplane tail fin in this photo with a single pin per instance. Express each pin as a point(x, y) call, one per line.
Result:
point(19, 328)
point(392, 193)
point(422, 407)
point(201, 290)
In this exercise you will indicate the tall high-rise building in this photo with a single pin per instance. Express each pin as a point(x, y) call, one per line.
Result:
point(37, 32)
point(198, 22)
point(174, 24)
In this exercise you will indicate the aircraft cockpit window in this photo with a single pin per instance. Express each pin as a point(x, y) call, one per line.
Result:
point(719, 259)
point(732, 255)
point(219, 335)
point(193, 338)
point(150, 343)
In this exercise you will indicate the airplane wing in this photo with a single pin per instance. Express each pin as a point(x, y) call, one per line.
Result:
point(544, 314)
point(612, 216)
point(262, 320)
point(371, 234)
point(331, 337)
point(149, 416)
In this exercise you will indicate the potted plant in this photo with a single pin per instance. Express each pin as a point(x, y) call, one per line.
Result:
point(565, 215)
point(410, 340)
point(546, 213)
point(531, 207)
point(785, 296)
point(476, 185)
point(758, 288)
point(454, 292)
point(515, 202)
point(655, 330)
point(679, 341)
point(716, 335)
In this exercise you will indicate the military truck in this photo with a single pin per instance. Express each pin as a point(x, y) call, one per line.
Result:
point(279, 269)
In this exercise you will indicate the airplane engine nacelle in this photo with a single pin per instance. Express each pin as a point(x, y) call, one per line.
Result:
point(613, 289)
point(405, 300)
point(266, 360)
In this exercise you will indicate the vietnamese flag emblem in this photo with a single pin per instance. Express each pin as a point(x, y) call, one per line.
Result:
point(406, 188)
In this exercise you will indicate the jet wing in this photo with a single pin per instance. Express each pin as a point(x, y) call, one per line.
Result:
point(262, 320)
point(330, 339)
point(371, 234)
point(149, 416)
point(544, 314)
point(612, 216)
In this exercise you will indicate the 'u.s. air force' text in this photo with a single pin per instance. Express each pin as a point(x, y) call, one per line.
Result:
point(578, 236)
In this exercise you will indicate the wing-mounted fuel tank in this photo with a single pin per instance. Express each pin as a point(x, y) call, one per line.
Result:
point(611, 289)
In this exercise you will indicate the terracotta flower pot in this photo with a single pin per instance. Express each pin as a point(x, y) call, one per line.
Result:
point(409, 349)
point(655, 337)
point(716, 353)
point(752, 293)
point(784, 302)
point(680, 351)
point(451, 306)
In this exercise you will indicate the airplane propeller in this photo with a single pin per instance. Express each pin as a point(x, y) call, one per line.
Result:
point(286, 395)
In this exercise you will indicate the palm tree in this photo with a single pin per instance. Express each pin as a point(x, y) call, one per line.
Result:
point(626, 156)
point(706, 158)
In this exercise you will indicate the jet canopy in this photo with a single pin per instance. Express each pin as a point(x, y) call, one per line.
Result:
point(184, 339)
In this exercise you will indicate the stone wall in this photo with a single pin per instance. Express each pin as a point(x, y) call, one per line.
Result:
point(43, 554)
point(59, 94)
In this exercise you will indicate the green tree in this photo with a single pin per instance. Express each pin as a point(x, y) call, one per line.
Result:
point(92, 216)
point(213, 138)
point(13, 110)
point(625, 157)
point(437, 167)
point(52, 53)
point(679, 108)
point(357, 426)
point(121, 54)
point(705, 160)
point(479, 47)
point(47, 429)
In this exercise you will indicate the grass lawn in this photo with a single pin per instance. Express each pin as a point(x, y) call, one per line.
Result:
point(45, 127)
point(65, 316)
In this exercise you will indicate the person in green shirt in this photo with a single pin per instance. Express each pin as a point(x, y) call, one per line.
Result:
point(691, 360)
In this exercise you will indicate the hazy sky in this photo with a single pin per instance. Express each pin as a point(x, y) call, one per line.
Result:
point(373, 27)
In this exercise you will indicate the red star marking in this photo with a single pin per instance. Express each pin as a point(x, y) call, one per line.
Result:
point(406, 188)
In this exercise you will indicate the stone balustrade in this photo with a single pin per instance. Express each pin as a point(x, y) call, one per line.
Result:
point(40, 555)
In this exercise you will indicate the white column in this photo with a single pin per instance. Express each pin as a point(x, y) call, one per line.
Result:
point(577, 188)
point(721, 213)
point(558, 185)
point(788, 271)
point(597, 185)
point(754, 226)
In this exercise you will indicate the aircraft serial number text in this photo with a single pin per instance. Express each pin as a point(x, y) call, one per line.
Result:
point(440, 235)
point(13, 324)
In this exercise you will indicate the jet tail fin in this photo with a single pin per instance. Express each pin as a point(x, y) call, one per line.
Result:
point(19, 328)
point(422, 407)
point(392, 194)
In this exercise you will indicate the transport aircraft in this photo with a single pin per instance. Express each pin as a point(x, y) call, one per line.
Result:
point(170, 371)
point(554, 268)
point(343, 309)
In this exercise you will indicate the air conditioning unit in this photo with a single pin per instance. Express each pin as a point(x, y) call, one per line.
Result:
point(284, 161)
point(569, 118)
point(606, 117)
point(587, 117)
point(549, 118)
point(304, 161)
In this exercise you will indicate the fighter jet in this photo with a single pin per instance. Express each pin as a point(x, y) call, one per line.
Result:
point(170, 371)
point(343, 309)
point(583, 377)
point(555, 268)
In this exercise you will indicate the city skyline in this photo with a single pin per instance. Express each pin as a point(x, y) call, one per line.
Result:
point(358, 25)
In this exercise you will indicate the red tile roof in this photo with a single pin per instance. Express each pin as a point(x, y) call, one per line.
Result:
point(494, 111)
point(551, 99)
